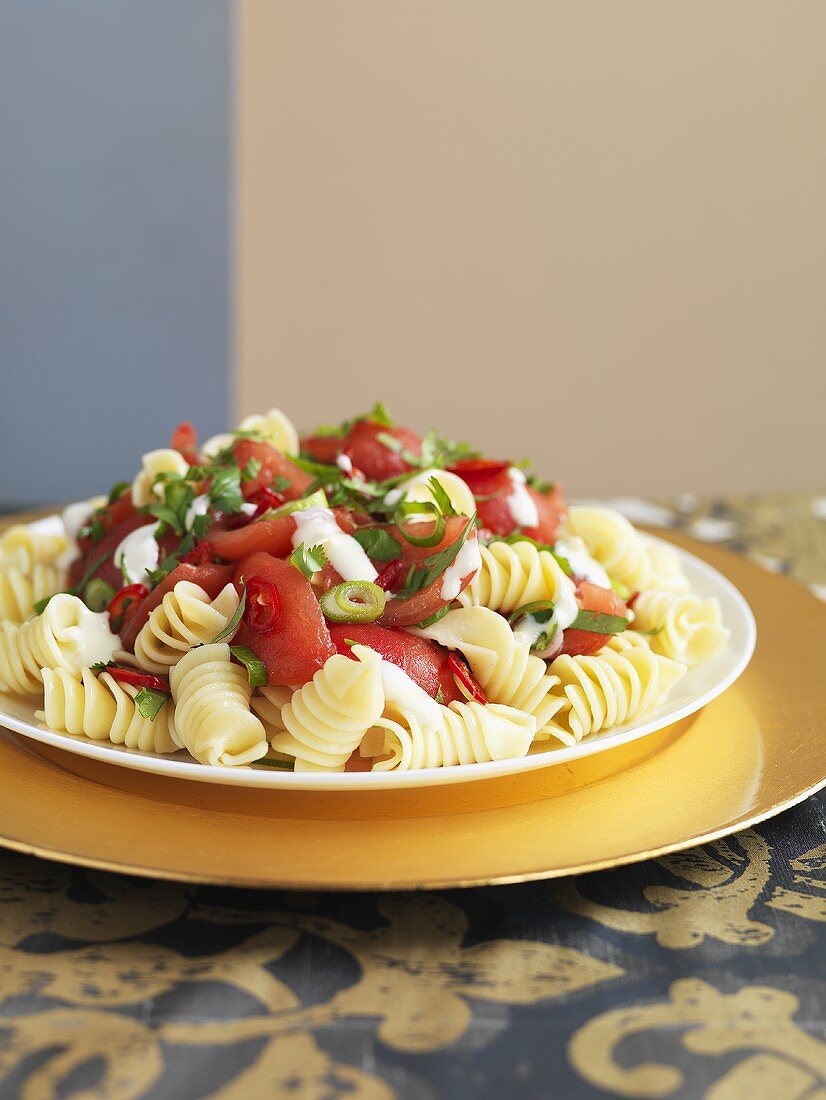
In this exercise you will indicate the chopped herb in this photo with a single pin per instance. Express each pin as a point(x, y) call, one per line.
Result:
point(90, 572)
point(118, 490)
point(178, 495)
point(270, 762)
point(599, 623)
point(622, 590)
point(252, 469)
point(380, 414)
point(225, 490)
point(309, 561)
point(433, 566)
point(231, 626)
point(440, 695)
point(378, 544)
point(149, 702)
point(440, 496)
point(95, 529)
point(350, 642)
point(99, 666)
point(540, 486)
point(256, 669)
point(390, 442)
point(41, 605)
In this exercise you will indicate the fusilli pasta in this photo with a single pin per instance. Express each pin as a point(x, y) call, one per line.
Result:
point(20, 590)
point(506, 669)
point(611, 687)
point(686, 627)
point(154, 463)
point(325, 720)
point(26, 544)
point(186, 617)
point(515, 574)
point(213, 720)
point(102, 709)
point(614, 543)
point(67, 635)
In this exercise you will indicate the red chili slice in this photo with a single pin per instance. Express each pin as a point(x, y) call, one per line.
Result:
point(202, 554)
point(389, 576)
point(128, 598)
point(265, 499)
point(632, 599)
point(459, 667)
point(139, 679)
point(263, 608)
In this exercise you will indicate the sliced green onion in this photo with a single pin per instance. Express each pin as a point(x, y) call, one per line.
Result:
point(314, 500)
point(353, 602)
point(271, 762)
point(440, 614)
point(408, 508)
point(98, 594)
point(231, 626)
point(256, 669)
point(598, 623)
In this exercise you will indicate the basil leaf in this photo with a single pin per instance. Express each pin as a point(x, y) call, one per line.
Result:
point(149, 702)
point(440, 496)
point(598, 623)
point(256, 669)
point(309, 561)
point(229, 629)
point(378, 544)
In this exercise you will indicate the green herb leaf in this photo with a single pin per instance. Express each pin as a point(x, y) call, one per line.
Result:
point(309, 561)
point(378, 544)
point(118, 490)
point(252, 469)
point(229, 629)
point(440, 614)
point(622, 590)
point(598, 623)
point(380, 414)
point(41, 605)
point(225, 490)
point(541, 610)
point(149, 702)
point(440, 496)
point(256, 669)
point(100, 666)
point(390, 442)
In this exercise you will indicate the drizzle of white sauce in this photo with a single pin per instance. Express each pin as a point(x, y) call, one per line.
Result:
point(467, 561)
point(317, 526)
point(345, 463)
point(74, 517)
point(137, 553)
point(529, 630)
point(521, 504)
point(199, 507)
point(87, 632)
point(574, 551)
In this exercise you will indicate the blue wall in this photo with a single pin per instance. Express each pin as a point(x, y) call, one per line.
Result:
point(114, 235)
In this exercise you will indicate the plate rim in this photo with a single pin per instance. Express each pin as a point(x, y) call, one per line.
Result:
point(275, 780)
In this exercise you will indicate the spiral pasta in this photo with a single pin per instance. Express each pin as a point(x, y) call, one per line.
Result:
point(267, 703)
point(154, 463)
point(515, 574)
point(213, 720)
point(20, 590)
point(506, 669)
point(468, 733)
point(686, 627)
point(325, 720)
point(28, 544)
point(611, 687)
point(276, 428)
point(101, 708)
point(614, 542)
point(186, 617)
point(67, 635)
point(666, 568)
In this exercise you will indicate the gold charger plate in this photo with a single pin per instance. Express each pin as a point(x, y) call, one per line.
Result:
point(753, 752)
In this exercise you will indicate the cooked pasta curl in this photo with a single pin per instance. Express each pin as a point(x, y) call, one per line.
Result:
point(20, 590)
point(186, 617)
point(685, 627)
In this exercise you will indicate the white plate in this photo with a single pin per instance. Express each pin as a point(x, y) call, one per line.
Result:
point(698, 687)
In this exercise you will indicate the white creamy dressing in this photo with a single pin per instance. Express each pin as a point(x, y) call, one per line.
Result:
point(405, 694)
point(249, 509)
point(521, 504)
point(137, 553)
point(96, 642)
point(344, 463)
point(199, 507)
point(582, 563)
point(317, 526)
point(529, 630)
point(467, 561)
point(74, 517)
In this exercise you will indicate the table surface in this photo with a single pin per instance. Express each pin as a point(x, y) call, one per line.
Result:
point(699, 974)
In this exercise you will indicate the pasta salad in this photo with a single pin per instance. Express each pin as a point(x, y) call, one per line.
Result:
point(363, 598)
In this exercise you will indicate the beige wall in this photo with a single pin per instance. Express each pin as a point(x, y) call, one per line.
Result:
point(591, 232)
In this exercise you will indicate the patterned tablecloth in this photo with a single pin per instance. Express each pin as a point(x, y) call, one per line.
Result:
point(700, 974)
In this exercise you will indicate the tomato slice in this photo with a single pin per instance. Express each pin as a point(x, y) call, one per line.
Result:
point(551, 508)
point(299, 643)
point(107, 570)
point(425, 662)
point(185, 440)
point(365, 450)
point(211, 578)
point(270, 536)
point(273, 465)
point(591, 597)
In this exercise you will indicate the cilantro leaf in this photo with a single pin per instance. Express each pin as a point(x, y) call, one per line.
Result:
point(308, 561)
point(378, 544)
point(149, 702)
point(252, 469)
point(599, 623)
point(225, 491)
point(118, 490)
point(256, 669)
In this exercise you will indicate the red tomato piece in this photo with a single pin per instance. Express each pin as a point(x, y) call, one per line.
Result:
point(185, 440)
point(211, 578)
point(273, 465)
point(270, 536)
point(323, 448)
point(300, 642)
point(591, 597)
point(105, 548)
point(424, 661)
point(365, 450)
point(551, 509)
